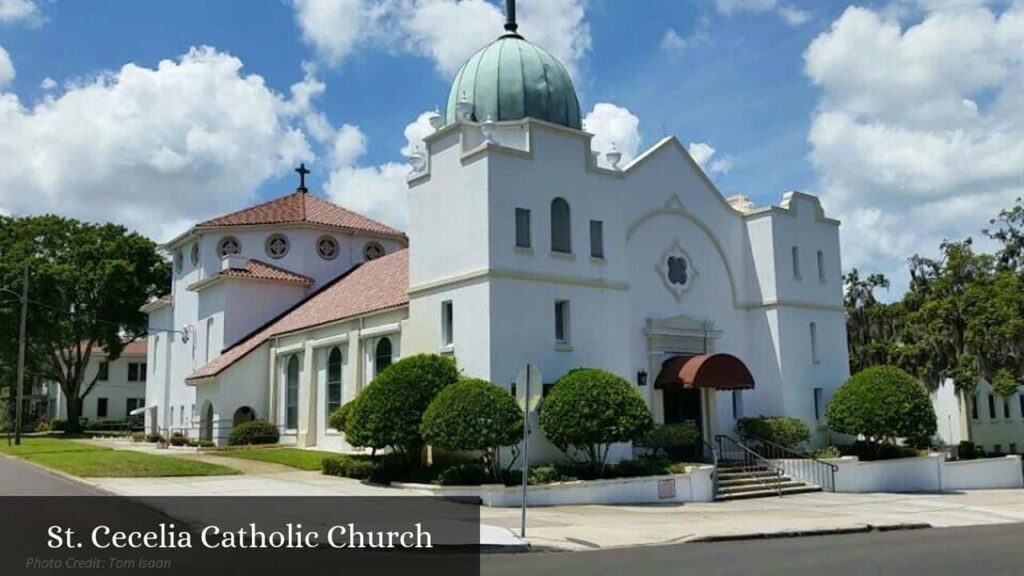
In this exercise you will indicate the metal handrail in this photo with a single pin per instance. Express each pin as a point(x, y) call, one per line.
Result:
point(748, 460)
point(714, 464)
point(800, 465)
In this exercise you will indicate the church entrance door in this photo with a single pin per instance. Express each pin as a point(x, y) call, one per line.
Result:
point(683, 406)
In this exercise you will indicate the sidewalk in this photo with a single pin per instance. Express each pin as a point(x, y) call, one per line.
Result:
point(598, 527)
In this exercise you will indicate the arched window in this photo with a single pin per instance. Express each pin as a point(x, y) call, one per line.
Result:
point(561, 229)
point(382, 356)
point(333, 380)
point(291, 400)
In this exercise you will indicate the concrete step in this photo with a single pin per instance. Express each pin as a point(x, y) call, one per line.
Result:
point(804, 489)
point(758, 487)
point(751, 474)
point(746, 480)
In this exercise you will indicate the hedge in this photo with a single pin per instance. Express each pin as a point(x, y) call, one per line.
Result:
point(662, 440)
point(883, 403)
point(360, 468)
point(785, 431)
point(255, 432)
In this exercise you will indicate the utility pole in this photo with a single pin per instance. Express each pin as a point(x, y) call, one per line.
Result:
point(21, 360)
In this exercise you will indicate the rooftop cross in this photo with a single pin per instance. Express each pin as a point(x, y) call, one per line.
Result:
point(302, 170)
point(510, 16)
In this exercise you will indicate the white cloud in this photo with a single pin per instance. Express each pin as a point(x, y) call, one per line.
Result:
point(672, 42)
point(791, 15)
point(416, 132)
point(48, 84)
point(919, 131)
point(703, 154)
point(20, 12)
point(446, 31)
point(6, 68)
point(153, 148)
point(611, 124)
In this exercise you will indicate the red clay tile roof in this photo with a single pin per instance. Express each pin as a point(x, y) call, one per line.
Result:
point(302, 207)
point(134, 348)
point(257, 270)
point(377, 285)
point(157, 303)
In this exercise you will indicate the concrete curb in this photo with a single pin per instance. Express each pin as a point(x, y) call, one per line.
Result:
point(62, 475)
point(812, 532)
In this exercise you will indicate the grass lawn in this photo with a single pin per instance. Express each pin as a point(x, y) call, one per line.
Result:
point(85, 460)
point(294, 457)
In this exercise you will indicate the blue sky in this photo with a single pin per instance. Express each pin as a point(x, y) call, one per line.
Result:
point(727, 73)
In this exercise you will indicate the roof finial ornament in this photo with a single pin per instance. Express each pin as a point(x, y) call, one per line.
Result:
point(510, 16)
point(302, 170)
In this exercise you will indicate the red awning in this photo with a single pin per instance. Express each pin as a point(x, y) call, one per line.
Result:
point(718, 371)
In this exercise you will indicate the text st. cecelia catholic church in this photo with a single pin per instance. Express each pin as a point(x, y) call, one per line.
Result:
point(521, 249)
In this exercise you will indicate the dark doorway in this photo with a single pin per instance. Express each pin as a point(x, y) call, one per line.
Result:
point(683, 406)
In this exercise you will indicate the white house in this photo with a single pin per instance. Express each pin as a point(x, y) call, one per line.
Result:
point(983, 418)
point(523, 247)
point(120, 385)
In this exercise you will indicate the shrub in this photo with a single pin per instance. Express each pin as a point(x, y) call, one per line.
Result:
point(254, 432)
point(464, 475)
point(474, 415)
point(639, 467)
point(871, 451)
point(43, 424)
point(58, 424)
point(969, 451)
point(112, 425)
point(830, 451)
point(588, 410)
point(197, 443)
point(782, 430)
point(883, 403)
point(664, 439)
point(339, 418)
point(548, 474)
point(388, 413)
point(156, 438)
point(178, 439)
point(359, 468)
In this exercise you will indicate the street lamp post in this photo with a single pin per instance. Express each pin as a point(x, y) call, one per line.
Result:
point(20, 394)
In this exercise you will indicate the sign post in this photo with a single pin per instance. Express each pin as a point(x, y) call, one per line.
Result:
point(528, 392)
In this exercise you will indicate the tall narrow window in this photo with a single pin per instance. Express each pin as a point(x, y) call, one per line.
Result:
point(143, 371)
point(796, 262)
point(562, 321)
point(523, 228)
point(209, 336)
point(992, 406)
point(1006, 408)
point(974, 406)
point(334, 362)
point(814, 342)
point(101, 407)
point(561, 229)
point(291, 399)
point(821, 266)
point(156, 351)
point(818, 393)
point(104, 372)
point(737, 404)
point(1020, 398)
point(133, 372)
point(382, 355)
point(597, 239)
point(447, 326)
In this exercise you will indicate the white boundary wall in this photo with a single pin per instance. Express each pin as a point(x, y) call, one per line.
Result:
point(930, 473)
point(694, 486)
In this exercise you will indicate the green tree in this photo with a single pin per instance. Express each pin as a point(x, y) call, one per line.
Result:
point(872, 327)
point(883, 403)
point(588, 410)
point(87, 282)
point(474, 415)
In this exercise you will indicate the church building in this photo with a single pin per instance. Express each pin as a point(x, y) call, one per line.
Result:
point(523, 246)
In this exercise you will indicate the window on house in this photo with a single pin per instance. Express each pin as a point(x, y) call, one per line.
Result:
point(327, 247)
point(561, 232)
point(101, 407)
point(277, 246)
point(597, 239)
point(821, 266)
point(171, 422)
point(1020, 397)
point(447, 326)
point(208, 348)
point(523, 228)
point(181, 415)
point(814, 342)
point(737, 404)
point(1013, 447)
point(194, 254)
point(382, 355)
point(228, 246)
point(818, 396)
point(796, 262)
point(562, 321)
point(131, 404)
point(291, 400)
point(133, 372)
point(974, 407)
point(104, 372)
point(997, 448)
point(992, 406)
point(334, 362)
point(1006, 408)
point(143, 371)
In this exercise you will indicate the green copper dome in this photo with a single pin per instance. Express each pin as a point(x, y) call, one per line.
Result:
point(510, 79)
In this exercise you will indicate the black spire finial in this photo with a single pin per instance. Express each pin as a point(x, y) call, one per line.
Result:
point(302, 170)
point(510, 16)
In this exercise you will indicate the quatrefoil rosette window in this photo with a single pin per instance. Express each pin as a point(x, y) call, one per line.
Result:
point(277, 246)
point(676, 269)
point(327, 247)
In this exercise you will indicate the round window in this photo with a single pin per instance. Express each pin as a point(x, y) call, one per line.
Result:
point(194, 256)
point(372, 251)
point(228, 246)
point(277, 246)
point(327, 247)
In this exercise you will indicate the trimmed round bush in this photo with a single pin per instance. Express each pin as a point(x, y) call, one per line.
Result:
point(474, 415)
point(339, 418)
point(588, 410)
point(785, 431)
point(255, 432)
point(662, 440)
point(388, 413)
point(883, 403)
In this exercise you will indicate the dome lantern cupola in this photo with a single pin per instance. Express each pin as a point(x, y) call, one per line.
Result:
point(511, 79)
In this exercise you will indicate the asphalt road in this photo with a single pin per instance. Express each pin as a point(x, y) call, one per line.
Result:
point(993, 550)
point(20, 479)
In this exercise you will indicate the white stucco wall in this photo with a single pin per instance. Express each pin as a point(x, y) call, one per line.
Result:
point(117, 389)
